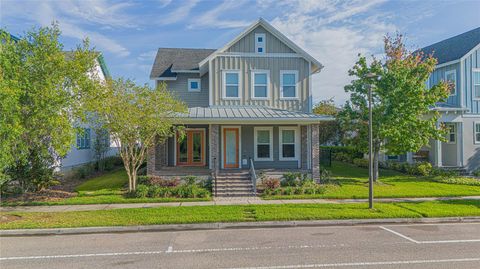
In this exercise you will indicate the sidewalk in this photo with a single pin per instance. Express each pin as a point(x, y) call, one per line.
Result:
point(219, 201)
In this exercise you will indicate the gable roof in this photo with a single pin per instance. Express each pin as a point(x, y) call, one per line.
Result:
point(274, 32)
point(455, 47)
point(169, 59)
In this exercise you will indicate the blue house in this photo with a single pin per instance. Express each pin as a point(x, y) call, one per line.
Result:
point(459, 62)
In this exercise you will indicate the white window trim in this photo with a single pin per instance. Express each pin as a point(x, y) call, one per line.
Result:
point(454, 72)
point(473, 83)
point(297, 144)
point(475, 141)
point(257, 35)
point(448, 124)
point(224, 86)
point(199, 81)
point(282, 72)
point(255, 157)
point(252, 88)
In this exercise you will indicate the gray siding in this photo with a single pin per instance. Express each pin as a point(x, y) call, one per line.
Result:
point(470, 62)
point(248, 64)
point(439, 75)
point(179, 88)
point(247, 43)
point(471, 151)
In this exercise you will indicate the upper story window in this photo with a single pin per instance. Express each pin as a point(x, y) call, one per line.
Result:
point(260, 43)
point(476, 131)
point(288, 84)
point(260, 84)
point(476, 83)
point(83, 139)
point(452, 133)
point(263, 143)
point(288, 143)
point(194, 84)
point(231, 84)
point(451, 76)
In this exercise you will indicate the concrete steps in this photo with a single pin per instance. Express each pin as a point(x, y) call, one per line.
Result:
point(234, 184)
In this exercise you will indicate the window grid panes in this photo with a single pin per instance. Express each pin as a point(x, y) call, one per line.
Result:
point(260, 43)
point(231, 84)
point(476, 84)
point(263, 144)
point(289, 87)
point(288, 143)
point(477, 132)
point(451, 133)
point(83, 139)
point(260, 84)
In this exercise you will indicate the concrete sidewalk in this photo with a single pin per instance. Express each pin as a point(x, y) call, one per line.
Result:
point(220, 201)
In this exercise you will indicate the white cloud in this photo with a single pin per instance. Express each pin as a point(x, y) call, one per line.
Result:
point(179, 13)
point(334, 33)
point(212, 18)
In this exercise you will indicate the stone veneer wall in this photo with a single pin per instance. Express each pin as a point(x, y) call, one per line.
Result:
point(214, 147)
point(315, 152)
point(156, 158)
point(304, 146)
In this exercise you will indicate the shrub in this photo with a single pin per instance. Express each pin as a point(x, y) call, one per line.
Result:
point(298, 190)
point(291, 179)
point(320, 189)
point(424, 169)
point(288, 190)
point(343, 154)
point(159, 181)
point(190, 180)
point(458, 180)
point(361, 162)
point(271, 183)
point(325, 176)
point(141, 191)
point(276, 191)
point(84, 171)
point(476, 173)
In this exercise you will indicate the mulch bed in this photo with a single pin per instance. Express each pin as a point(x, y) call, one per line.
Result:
point(41, 196)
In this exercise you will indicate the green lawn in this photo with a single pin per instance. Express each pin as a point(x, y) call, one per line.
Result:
point(237, 213)
point(352, 182)
point(108, 188)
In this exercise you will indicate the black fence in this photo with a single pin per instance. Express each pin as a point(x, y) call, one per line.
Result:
point(325, 157)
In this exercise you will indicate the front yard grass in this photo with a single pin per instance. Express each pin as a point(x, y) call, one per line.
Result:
point(236, 213)
point(352, 182)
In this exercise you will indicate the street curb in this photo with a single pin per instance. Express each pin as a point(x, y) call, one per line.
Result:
point(231, 225)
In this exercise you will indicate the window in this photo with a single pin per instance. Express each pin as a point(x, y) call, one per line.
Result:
point(83, 139)
point(476, 84)
point(477, 132)
point(452, 133)
point(451, 76)
point(263, 143)
point(260, 43)
point(288, 84)
point(288, 143)
point(260, 84)
point(194, 85)
point(231, 84)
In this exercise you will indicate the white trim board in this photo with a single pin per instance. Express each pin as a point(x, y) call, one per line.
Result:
point(255, 143)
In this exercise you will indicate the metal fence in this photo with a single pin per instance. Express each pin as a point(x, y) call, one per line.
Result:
point(325, 157)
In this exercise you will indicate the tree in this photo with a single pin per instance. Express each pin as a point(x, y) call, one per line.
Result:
point(137, 118)
point(331, 132)
point(402, 118)
point(42, 93)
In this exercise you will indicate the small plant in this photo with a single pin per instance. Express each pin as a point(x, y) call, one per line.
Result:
point(141, 191)
point(476, 173)
point(424, 169)
point(298, 190)
point(325, 175)
point(288, 190)
point(271, 183)
point(291, 179)
point(190, 180)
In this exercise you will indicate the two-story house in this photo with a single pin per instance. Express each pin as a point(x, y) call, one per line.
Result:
point(459, 62)
point(249, 106)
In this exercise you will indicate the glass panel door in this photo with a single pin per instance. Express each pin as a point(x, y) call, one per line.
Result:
point(182, 151)
point(197, 147)
point(230, 136)
point(190, 148)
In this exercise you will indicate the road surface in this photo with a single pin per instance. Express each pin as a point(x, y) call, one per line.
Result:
point(373, 246)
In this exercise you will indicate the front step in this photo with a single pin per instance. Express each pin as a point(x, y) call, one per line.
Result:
point(234, 184)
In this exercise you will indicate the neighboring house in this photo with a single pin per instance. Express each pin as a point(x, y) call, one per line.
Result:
point(249, 106)
point(83, 150)
point(459, 62)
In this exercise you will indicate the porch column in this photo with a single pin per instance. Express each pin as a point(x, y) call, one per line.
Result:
point(151, 160)
point(304, 146)
point(214, 148)
point(438, 151)
point(459, 144)
point(315, 152)
point(410, 157)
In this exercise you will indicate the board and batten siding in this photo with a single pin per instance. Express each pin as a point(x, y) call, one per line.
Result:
point(438, 75)
point(247, 43)
point(246, 65)
point(179, 88)
point(471, 62)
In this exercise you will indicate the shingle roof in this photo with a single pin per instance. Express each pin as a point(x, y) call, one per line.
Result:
point(168, 59)
point(250, 113)
point(455, 47)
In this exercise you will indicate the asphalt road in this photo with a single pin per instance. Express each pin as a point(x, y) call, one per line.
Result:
point(389, 246)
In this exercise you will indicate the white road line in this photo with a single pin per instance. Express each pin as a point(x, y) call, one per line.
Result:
point(399, 234)
point(348, 264)
point(168, 251)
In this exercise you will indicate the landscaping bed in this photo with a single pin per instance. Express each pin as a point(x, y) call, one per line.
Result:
point(237, 213)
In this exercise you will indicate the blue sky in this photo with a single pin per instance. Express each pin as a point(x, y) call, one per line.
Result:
point(129, 32)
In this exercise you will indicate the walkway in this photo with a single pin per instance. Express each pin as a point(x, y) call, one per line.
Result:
point(220, 201)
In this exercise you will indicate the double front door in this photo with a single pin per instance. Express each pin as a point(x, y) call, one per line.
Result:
point(191, 149)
